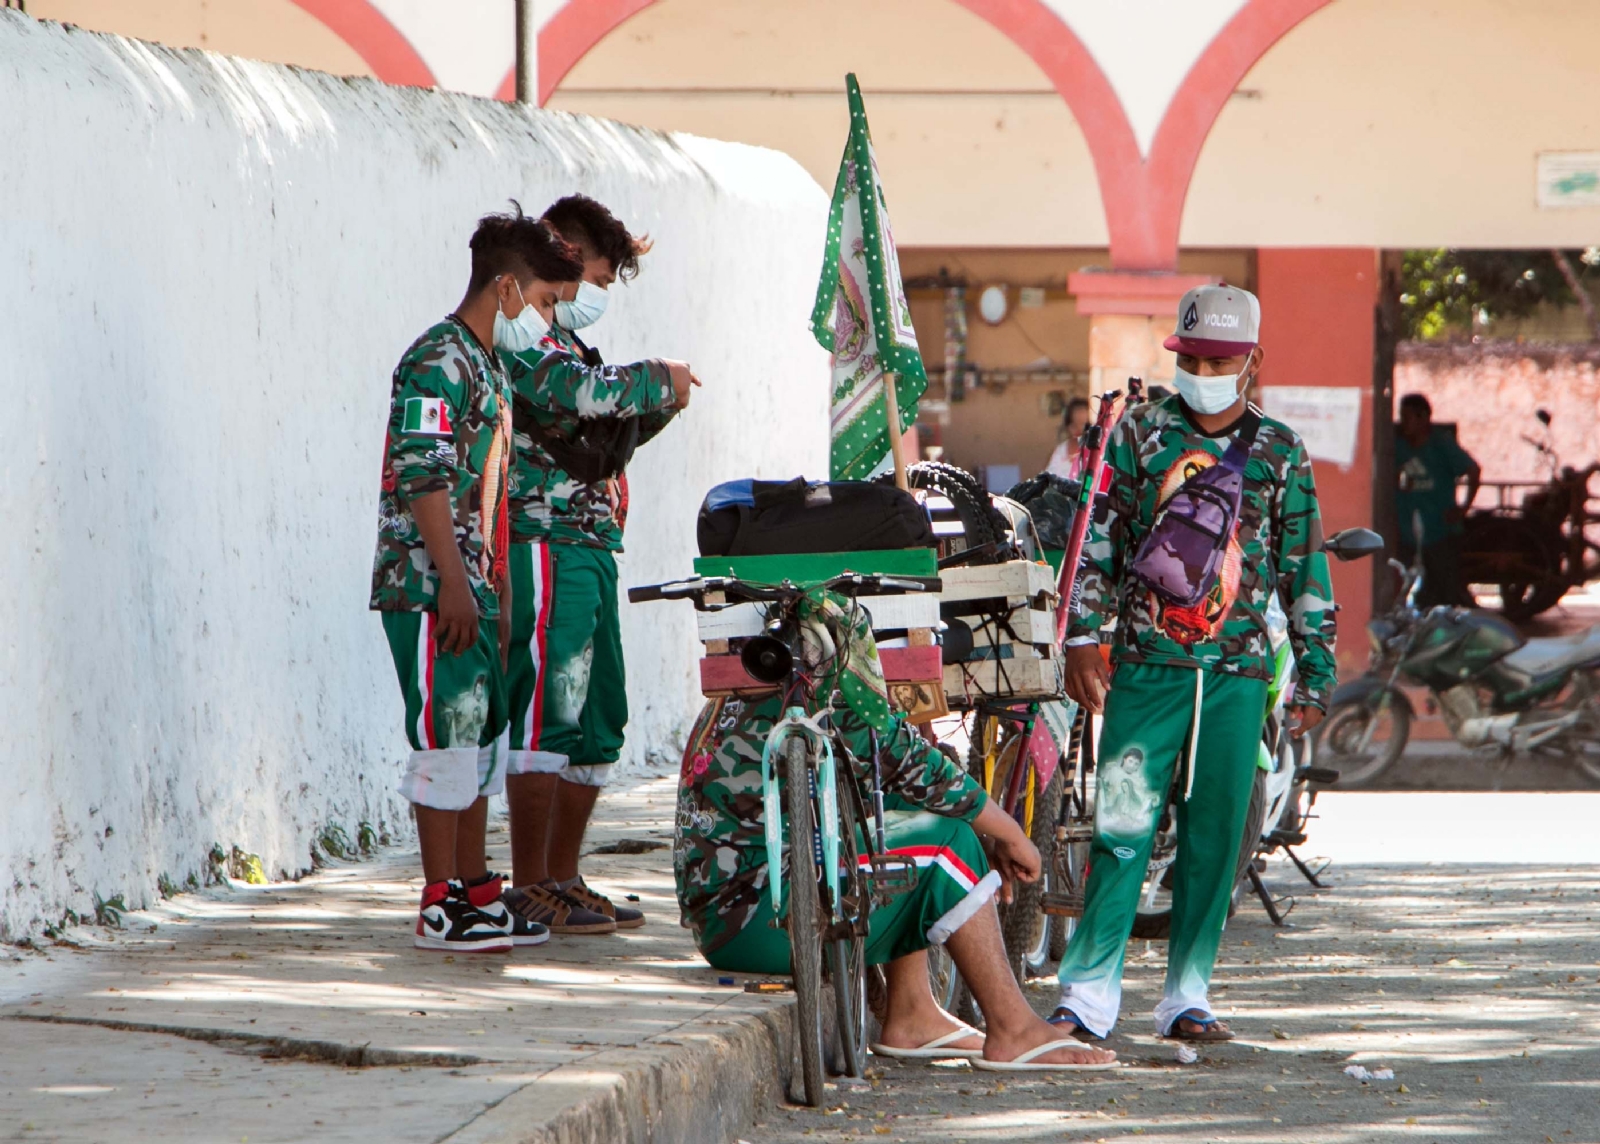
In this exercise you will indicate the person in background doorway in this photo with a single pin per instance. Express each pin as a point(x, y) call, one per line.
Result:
point(566, 680)
point(1428, 463)
point(1067, 460)
point(440, 579)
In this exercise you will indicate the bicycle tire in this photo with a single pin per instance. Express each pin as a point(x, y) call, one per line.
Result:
point(1332, 732)
point(1075, 804)
point(981, 522)
point(1024, 925)
point(805, 917)
point(1255, 820)
point(847, 957)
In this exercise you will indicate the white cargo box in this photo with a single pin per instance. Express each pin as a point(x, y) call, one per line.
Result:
point(1016, 581)
point(1012, 615)
point(1022, 678)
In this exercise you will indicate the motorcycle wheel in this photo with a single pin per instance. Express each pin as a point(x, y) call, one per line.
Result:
point(1340, 734)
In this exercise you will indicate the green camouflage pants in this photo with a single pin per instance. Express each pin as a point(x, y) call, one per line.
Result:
point(953, 883)
point(1150, 723)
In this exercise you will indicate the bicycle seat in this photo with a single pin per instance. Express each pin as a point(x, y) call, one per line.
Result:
point(1556, 653)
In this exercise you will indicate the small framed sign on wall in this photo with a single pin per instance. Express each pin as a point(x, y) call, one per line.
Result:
point(1569, 179)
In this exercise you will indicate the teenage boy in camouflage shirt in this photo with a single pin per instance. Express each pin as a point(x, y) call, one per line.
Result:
point(1189, 686)
point(440, 577)
point(568, 690)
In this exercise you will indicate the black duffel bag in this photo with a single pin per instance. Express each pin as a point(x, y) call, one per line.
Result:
point(769, 518)
point(1052, 501)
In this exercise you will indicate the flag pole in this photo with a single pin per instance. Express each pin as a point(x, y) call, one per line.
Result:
point(891, 403)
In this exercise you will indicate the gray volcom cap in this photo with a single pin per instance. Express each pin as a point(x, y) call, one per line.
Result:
point(1216, 321)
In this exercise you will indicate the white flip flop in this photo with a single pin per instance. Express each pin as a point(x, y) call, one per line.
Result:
point(1029, 1061)
point(935, 1049)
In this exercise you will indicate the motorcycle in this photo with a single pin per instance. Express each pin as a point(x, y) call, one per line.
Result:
point(1496, 689)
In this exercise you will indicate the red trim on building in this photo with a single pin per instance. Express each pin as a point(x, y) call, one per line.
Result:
point(385, 49)
point(1150, 238)
point(1132, 292)
point(1143, 196)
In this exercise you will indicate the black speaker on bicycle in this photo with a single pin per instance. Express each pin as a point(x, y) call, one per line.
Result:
point(767, 659)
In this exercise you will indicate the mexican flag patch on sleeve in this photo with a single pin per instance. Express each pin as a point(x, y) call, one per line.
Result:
point(427, 417)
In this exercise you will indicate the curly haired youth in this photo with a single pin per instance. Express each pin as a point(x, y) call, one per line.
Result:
point(589, 224)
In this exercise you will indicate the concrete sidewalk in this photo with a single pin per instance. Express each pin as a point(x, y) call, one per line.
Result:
point(301, 1011)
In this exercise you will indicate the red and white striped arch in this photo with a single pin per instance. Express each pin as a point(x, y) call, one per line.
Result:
point(1143, 187)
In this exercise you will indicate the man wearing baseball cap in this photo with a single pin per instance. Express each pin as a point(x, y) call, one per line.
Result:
point(1187, 691)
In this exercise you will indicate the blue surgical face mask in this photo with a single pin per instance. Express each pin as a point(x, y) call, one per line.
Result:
point(1207, 394)
point(522, 333)
point(584, 310)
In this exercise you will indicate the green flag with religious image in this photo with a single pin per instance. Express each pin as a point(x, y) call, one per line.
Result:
point(861, 316)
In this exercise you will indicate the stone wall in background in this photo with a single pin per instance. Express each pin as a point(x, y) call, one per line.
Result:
point(1492, 390)
point(208, 268)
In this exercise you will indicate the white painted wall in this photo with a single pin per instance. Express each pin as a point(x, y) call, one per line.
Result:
point(207, 270)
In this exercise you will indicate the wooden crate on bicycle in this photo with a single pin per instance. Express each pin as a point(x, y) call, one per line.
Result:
point(1009, 610)
point(905, 625)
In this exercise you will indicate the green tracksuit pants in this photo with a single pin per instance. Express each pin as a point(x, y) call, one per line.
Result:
point(1153, 732)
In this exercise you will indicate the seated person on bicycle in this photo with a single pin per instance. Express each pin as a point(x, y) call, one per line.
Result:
point(722, 865)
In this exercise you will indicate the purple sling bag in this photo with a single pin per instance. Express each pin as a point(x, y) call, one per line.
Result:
point(1182, 554)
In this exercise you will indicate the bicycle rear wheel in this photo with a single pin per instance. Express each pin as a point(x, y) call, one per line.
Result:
point(847, 956)
point(805, 915)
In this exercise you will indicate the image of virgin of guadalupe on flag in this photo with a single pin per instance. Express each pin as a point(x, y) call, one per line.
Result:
point(861, 316)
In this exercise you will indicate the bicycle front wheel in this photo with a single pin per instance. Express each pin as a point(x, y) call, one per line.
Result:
point(805, 914)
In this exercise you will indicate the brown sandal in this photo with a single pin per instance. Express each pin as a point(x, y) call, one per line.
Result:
point(1210, 1030)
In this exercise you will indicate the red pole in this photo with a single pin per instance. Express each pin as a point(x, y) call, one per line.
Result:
point(1069, 587)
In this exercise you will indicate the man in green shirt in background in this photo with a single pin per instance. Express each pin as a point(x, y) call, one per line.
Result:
point(1428, 462)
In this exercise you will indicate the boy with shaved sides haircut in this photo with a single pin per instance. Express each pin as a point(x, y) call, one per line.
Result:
point(577, 422)
point(440, 578)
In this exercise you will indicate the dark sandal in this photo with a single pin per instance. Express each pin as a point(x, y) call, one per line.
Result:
point(1064, 1018)
point(1210, 1030)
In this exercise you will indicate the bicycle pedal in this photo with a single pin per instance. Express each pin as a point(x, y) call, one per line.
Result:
point(1062, 905)
point(1079, 830)
point(1323, 776)
point(890, 870)
point(1286, 838)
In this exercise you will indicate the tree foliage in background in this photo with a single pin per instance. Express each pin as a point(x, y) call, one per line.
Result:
point(1455, 293)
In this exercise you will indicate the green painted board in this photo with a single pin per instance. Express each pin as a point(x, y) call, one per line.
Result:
point(814, 567)
point(1055, 556)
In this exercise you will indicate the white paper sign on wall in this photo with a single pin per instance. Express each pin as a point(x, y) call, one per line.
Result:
point(1326, 417)
point(1569, 179)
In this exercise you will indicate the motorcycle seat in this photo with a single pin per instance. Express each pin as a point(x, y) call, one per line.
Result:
point(1556, 653)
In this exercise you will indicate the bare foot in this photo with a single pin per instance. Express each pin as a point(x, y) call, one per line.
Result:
point(1008, 1048)
point(917, 1029)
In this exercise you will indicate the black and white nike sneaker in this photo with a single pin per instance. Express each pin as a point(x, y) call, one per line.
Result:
point(449, 921)
point(488, 897)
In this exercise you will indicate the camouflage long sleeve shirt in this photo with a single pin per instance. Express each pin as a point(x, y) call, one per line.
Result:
point(449, 430)
point(720, 845)
point(1276, 548)
point(554, 387)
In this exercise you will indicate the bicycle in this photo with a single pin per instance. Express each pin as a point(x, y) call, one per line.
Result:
point(815, 812)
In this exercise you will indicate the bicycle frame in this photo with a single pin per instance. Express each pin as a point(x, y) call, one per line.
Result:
point(824, 781)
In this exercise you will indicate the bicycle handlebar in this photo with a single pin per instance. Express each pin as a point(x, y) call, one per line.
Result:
point(744, 591)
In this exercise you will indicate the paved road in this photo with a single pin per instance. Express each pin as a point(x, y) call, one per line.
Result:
point(1476, 978)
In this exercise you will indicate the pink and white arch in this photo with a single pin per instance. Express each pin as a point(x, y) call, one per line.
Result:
point(1145, 80)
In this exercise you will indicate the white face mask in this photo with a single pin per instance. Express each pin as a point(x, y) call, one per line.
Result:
point(522, 333)
point(1208, 394)
point(585, 309)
